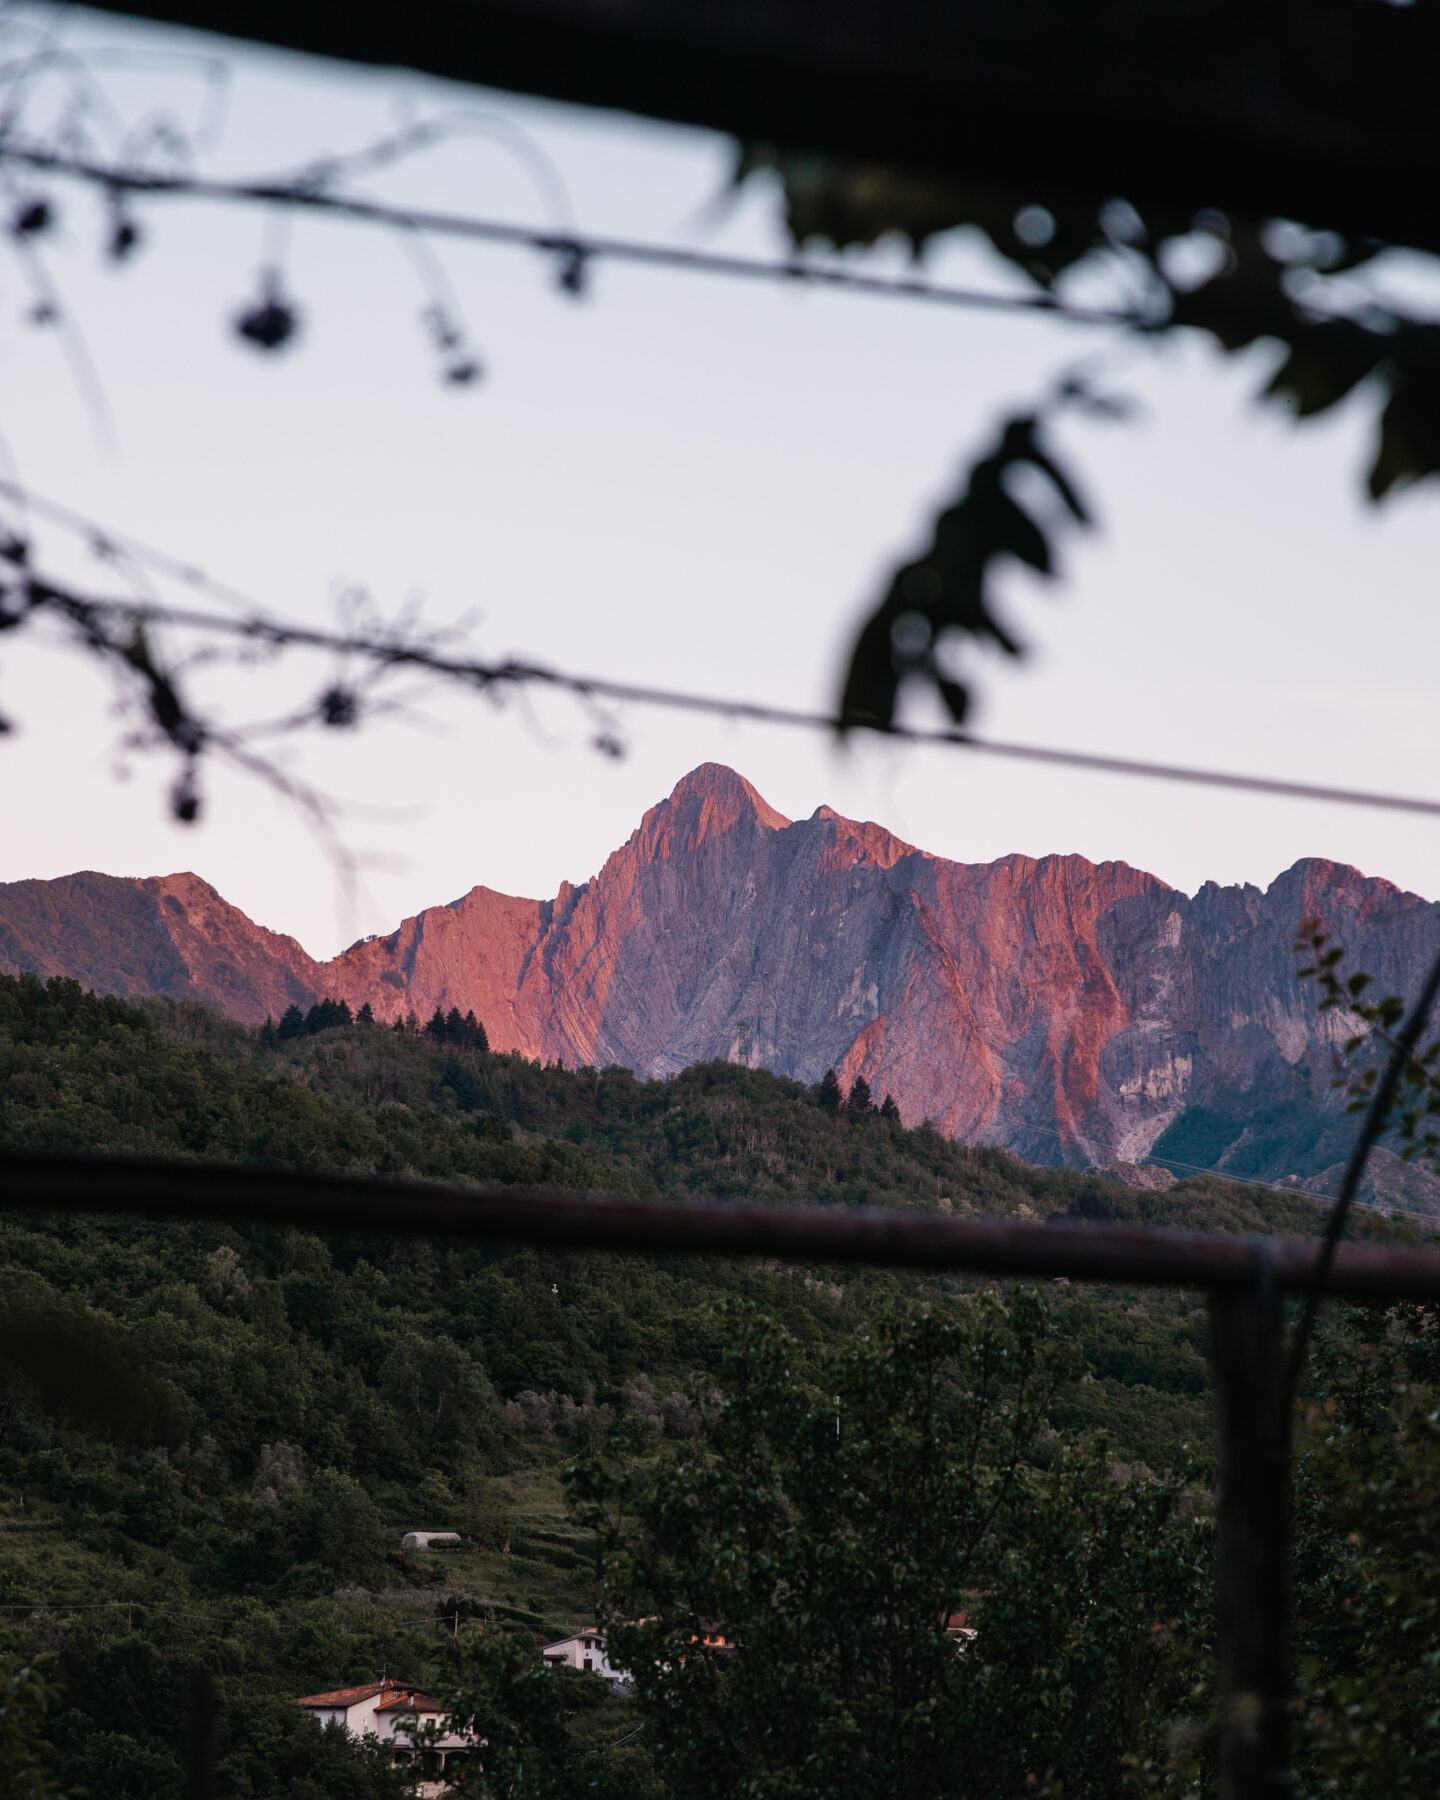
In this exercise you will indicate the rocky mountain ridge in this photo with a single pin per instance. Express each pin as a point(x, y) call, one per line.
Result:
point(1069, 1010)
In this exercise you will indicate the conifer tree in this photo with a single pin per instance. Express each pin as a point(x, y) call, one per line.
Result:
point(829, 1092)
point(326, 1014)
point(860, 1104)
point(292, 1024)
point(365, 1016)
point(889, 1110)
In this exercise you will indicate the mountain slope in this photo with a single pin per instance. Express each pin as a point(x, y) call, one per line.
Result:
point(1067, 1010)
point(165, 934)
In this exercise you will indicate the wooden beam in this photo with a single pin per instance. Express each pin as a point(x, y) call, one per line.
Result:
point(1317, 110)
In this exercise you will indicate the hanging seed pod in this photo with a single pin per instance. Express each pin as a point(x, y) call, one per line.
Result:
point(572, 271)
point(459, 366)
point(339, 707)
point(272, 321)
point(185, 797)
point(32, 218)
point(124, 235)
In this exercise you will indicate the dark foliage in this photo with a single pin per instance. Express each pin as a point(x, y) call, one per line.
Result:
point(1240, 282)
point(1367, 1559)
point(309, 1399)
point(324, 1015)
point(449, 1028)
point(1413, 1115)
point(944, 594)
point(860, 1105)
point(799, 1562)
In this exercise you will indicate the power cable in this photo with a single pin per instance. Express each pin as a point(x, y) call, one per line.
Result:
point(388, 651)
point(381, 650)
point(1382, 1208)
point(571, 250)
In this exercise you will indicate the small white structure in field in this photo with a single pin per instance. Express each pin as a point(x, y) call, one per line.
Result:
point(393, 1711)
point(585, 1651)
point(430, 1540)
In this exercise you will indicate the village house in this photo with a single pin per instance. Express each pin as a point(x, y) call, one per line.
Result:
point(714, 1644)
point(589, 1652)
point(585, 1651)
point(960, 1632)
point(393, 1712)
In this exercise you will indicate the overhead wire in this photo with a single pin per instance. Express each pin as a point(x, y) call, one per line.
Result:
point(564, 244)
point(568, 245)
point(513, 672)
point(381, 649)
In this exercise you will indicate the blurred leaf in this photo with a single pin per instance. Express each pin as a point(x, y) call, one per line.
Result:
point(1323, 364)
point(943, 592)
point(1253, 282)
point(851, 204)
point(1409, 447)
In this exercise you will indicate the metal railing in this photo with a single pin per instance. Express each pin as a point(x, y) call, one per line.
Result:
point(1246, 1281)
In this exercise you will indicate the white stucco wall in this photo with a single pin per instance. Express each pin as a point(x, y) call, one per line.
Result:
point(585, 1651)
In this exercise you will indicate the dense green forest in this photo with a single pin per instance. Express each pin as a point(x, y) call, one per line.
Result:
point(315, 1398)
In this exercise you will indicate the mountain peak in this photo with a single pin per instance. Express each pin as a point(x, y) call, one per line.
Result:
point(726, 794)
point(707, 803)
point(856, 841)
point(1059, 1007)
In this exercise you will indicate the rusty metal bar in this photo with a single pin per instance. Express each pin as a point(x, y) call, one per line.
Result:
point(201, 1732)
point(1245, 1279)
point(367, 1206)
point(1252, 1549)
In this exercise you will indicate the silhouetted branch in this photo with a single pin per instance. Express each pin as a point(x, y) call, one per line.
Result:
point(1238, 281)
point(561, 246)
point(120, 633)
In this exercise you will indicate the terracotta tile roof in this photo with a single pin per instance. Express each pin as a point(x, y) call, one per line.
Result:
point(351, 1696)
point(396, 1696)
point(410, 1700)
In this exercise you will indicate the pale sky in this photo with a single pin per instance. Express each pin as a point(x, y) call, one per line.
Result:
point(686, 482)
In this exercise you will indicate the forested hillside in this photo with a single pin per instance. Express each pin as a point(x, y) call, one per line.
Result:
point(319, 1397)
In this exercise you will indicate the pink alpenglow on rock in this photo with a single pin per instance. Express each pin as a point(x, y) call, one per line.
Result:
point(1068, 1010)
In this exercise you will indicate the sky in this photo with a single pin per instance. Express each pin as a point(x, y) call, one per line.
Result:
point(676, 480)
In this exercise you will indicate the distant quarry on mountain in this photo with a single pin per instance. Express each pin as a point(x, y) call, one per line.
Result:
point(1069, 1011)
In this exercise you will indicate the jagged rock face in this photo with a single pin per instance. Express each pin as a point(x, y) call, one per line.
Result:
point(166, 934)
point(1069, 1010)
